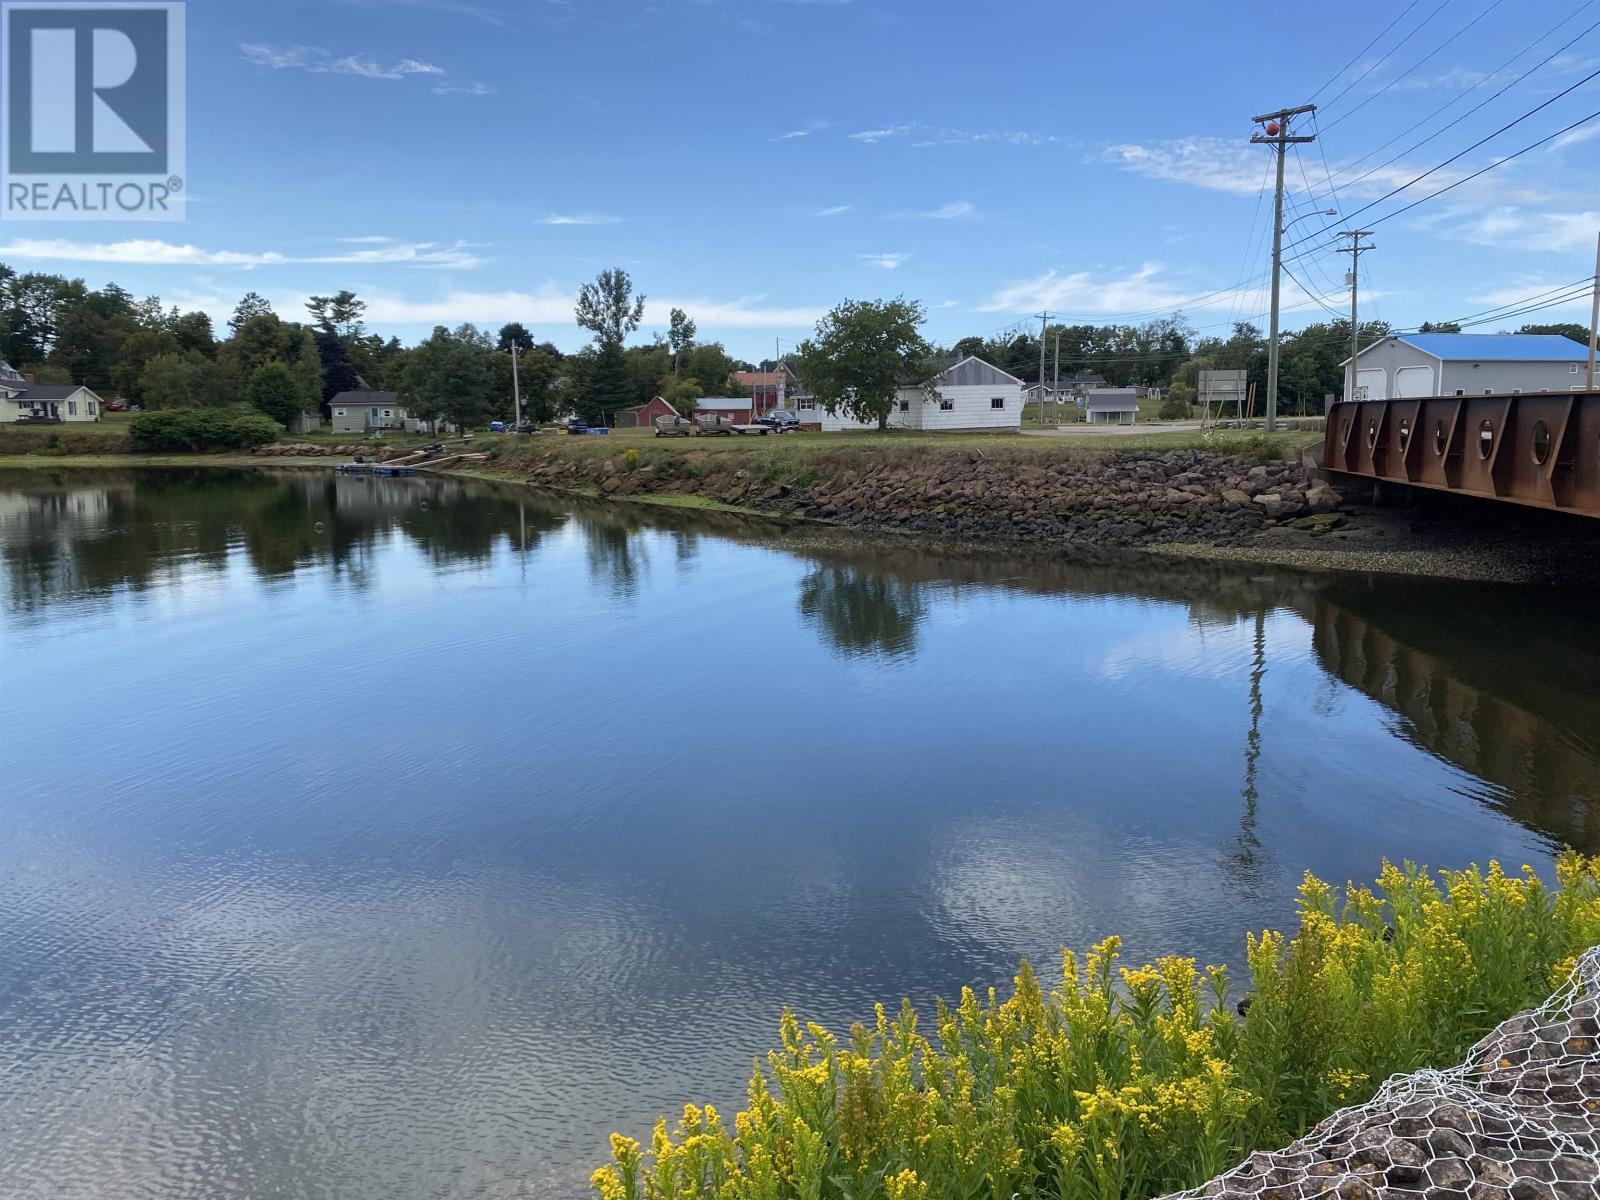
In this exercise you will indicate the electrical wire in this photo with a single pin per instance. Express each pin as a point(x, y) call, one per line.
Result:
point(1386, 56)
point(1357, 57)
point(1355, 179)
point(1420, 63)
point(1461, 154)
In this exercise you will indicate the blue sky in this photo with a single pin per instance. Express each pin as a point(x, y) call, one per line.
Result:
point(756, 161)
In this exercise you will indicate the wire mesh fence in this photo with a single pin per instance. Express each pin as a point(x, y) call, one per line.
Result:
point(1519, 1119)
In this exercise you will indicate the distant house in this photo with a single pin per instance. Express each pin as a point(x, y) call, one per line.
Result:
point(23, 400)
point(766, 386)
point(643, 416)
point(735, 408)
point(1112, 406)
point(1467, 364)
point(365, 412)
point(306, 422)
point(967, 394)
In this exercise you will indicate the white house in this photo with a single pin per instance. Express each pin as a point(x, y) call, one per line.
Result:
point(968, 394)
point(366, 411)
point(1467, 364)
point(23, 400)
point(1112, 406)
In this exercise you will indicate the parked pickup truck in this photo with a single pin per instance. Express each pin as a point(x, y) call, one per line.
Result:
point(780, 421)
point(674, 427)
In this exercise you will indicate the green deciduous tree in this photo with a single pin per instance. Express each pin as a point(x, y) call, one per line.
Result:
point(272, 390)
point(680, 336)
point(450, 376)
point(608, 308)
point(862, 352)
point(307, 372)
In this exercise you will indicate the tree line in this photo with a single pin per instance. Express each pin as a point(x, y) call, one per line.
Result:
point(159, 357)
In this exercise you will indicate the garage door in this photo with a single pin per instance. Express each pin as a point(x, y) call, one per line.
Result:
point(1414, 381)
point(1375, 382)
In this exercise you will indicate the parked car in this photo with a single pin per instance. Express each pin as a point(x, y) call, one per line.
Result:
point(673, 427)
point(497, 426)
point(781, 420)
point(116, 405)
point(577, 425)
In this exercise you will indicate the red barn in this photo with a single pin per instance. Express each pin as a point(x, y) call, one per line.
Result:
point(643, 416)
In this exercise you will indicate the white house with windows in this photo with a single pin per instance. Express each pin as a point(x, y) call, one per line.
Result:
point(23, 400)
point(967, 394)
point(1404, 365)
point(367, 412)
point(1112, 406)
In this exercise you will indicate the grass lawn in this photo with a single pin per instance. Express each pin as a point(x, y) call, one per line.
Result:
point(802, 446)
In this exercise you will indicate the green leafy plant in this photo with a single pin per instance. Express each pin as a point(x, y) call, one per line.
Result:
point(198, 430)
point(1114, 1083)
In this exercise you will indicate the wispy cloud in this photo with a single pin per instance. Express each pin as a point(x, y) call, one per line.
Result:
point(1513, 228)
point(956, 210)
point(151, 252)
point(805, 130)
point(935, 135)
point(1584, 133)
point(1218, 164)
point(889, 262)
point(1522, 287)
point(320, 62)
point(463, 89)
point(1086, 292)
point(833, 210)
point(581, 218)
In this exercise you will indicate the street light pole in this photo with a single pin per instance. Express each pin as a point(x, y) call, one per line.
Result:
point(1276, 135)
point(516, 384)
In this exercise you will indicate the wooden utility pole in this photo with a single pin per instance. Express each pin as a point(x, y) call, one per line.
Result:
point(1044, 328)
point(1354, 250)
point(1594, 316)
point(1056, 387)
point(1276, 135)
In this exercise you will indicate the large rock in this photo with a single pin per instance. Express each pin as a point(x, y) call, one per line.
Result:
point(1322, 498)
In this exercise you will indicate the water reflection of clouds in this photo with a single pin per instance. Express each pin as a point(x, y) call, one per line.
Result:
point(1213, 650)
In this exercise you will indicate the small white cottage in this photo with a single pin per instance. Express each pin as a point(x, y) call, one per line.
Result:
point(1112, 406)
point(968, 394)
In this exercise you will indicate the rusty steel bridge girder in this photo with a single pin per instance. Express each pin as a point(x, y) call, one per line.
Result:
point(1535, 448)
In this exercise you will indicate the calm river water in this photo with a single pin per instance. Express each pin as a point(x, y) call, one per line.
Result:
point(390, 839)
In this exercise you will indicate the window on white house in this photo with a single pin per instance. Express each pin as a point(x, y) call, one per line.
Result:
point(1516, 391)
point(1573, 369)
point(905, 406)
point(72, 408)
point(997, 402)
point(1461, 391)
point(947, 406)
point(338, 412)
point(387, 413)
point(91, 408)
point(1488, 391)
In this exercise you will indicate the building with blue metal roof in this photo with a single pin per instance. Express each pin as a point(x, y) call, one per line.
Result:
point(1468, 364)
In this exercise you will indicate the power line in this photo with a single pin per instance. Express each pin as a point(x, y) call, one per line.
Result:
point(1388, 53)
point(1357, 57)
point(1461, 154)
point(1422, 62)
point(1475, 108)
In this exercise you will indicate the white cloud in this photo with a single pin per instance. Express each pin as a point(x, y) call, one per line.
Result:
point(151, 252)
point(1456, 78)
point(954, 211)
point(836, 210)
point(1525, 288)
point(933, 135)
point(805, 130)
point(578, 219)
point(463, 89)
point(320, 62)
point(749, 312)
point(946, 304)
point(878, 135)
point(1584, 133)
point(1219, 164)
point(1083, 292)
point(889, 262)
point(1513, 228)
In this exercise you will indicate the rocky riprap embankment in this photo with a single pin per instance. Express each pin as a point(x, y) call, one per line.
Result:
point(313, 450)
point(1122, 498)
point(1521, 1121)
